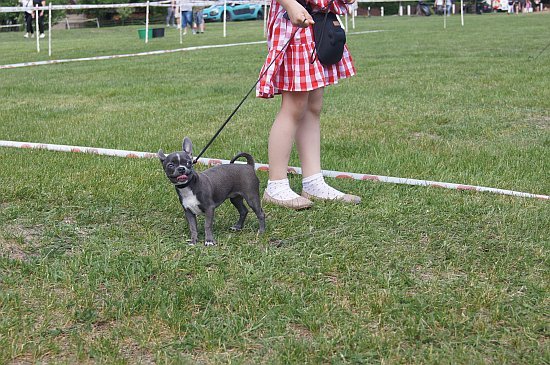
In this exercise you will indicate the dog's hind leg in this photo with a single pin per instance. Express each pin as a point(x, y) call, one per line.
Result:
point(243, 211)
point(208, 225)
point(256, 205)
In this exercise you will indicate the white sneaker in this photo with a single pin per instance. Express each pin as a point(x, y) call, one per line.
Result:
point(32, 35)
point(26, 35)
point(42, 35)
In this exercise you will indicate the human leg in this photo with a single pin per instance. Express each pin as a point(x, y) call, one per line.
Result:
point(170, 17)
point(200, 21)
point(28, 22)
point(308, 143)
point(41, 25)
point(183, 21)
point(281, 139)
point(308, 134)
point(283, 132)
point(186, 20)
point(190, 20)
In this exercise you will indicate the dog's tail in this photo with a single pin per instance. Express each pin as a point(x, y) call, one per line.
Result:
point(249, 158)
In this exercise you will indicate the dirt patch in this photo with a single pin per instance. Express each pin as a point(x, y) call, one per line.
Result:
point(427, 274)
point(134, 353)
point(333, 279)
point(300, 331)
point(12, 250)
point(422, 135)
point(541, 122)
point(30, 235)
point(18, 242)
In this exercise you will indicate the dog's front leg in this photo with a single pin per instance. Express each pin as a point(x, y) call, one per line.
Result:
point(208, 224)
point(192, 221)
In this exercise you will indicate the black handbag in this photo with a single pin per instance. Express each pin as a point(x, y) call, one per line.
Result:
point(330, 38)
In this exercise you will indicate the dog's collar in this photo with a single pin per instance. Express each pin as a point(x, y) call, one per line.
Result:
point(181, 186)
point(185, 184)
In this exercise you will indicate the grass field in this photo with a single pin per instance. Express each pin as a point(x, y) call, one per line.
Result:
point(94, 265)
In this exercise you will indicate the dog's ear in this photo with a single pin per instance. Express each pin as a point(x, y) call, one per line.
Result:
point(187, 146)
point(161, 156)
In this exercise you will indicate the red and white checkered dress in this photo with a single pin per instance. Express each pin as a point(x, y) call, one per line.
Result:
point(292, 71)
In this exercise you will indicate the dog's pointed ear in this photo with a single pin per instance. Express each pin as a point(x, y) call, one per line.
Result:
point(187, 146)
point(161, 156)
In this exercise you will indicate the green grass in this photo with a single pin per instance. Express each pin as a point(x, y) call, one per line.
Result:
point(94, 267)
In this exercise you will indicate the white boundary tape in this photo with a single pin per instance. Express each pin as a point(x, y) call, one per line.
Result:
point(150, 53)
point(264, 167)
point(366, 32)
point(52, 62)
point(17, 9)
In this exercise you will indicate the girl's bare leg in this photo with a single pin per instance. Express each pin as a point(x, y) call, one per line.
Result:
point(308, 134)
point(283, 132)
point(281, 140)
point(308, 143)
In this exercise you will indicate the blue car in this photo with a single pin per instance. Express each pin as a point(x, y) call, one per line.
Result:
point(235, 11)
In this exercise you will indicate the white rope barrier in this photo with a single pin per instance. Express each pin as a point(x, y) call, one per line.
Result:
point(265, 167)
point(10, 26)
point(15, 9)
point(149, 53)
point(97, 58)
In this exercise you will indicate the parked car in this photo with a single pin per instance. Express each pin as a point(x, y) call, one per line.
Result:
point(235, 11)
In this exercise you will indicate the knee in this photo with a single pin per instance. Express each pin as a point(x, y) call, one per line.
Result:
point(295, 106)
point(298, 114)
point(314, 108)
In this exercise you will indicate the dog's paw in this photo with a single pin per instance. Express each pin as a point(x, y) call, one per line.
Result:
point(210, 243)
point(236, 228)
point(190, 242)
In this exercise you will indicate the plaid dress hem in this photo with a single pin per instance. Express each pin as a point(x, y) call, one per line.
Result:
point(292, 70)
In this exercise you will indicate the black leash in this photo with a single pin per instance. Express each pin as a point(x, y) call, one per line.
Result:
point(246, 96)
point(544, 49)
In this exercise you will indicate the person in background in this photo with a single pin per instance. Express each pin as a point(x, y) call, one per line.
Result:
point(449, 6)
point(29, 16)
point(198, 21)
point(186, 9)
point(40, 14)
point(170, 16)
point(438, 7)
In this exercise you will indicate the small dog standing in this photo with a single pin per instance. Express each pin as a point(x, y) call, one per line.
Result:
point(204, 192)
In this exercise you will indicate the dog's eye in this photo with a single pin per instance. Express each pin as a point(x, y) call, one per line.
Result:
point(170, 165)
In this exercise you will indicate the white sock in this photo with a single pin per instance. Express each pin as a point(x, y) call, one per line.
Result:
point(315, 185)
point(280, 190)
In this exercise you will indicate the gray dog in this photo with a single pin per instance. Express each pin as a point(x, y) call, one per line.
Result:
point(204, 192)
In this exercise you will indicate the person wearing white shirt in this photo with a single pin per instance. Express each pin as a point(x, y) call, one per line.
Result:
point(29, 16)
point(439, 7)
